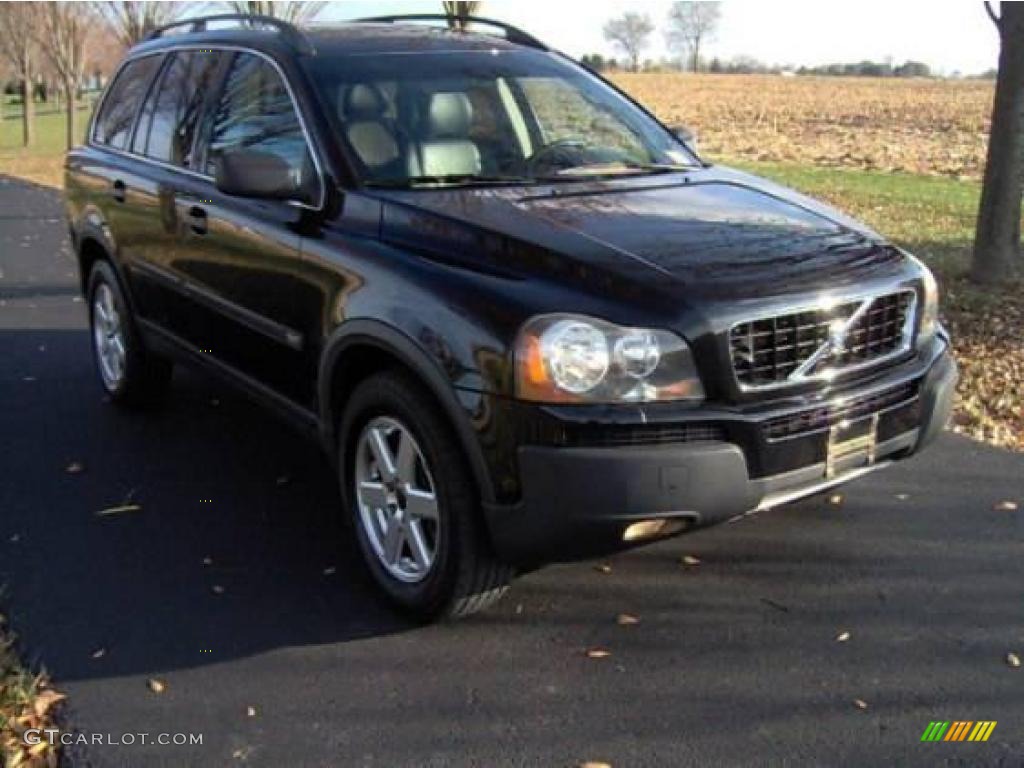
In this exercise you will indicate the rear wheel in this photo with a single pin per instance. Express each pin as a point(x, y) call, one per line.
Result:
point(414, 503)
point(127, 372)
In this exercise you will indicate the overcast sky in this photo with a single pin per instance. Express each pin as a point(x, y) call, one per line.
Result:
point(945, 34)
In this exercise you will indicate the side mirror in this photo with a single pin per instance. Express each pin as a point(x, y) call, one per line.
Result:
point(686, 135)
point(251, 173)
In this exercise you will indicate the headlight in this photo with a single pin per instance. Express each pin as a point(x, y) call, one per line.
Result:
point(576, 359)
point(930, 311)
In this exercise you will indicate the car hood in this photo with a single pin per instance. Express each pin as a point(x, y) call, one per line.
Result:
point(724, 232)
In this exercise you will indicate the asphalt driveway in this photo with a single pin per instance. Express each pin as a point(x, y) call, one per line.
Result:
point(237, 586)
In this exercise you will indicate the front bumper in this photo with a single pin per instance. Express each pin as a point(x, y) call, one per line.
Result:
point(577, 502)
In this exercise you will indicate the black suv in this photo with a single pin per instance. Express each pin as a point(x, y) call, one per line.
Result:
point(525, 319)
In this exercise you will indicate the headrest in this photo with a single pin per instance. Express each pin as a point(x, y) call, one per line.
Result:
point(449, 115)
point(363, 101)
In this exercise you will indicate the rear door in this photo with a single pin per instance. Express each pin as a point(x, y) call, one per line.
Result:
point(166, 137)
point(121, 186)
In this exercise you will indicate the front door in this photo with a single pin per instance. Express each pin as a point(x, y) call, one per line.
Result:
point(240, 257)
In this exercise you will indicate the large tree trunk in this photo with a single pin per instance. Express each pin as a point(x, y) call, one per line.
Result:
point(69, 99)
point(997, 240)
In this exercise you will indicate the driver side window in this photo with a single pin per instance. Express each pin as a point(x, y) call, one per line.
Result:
point(563, 114)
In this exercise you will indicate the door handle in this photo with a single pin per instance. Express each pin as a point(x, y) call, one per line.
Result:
point(117, 191)
point(196, 220)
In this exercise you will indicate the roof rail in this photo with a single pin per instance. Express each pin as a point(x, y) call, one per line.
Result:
point(289, 32)
point(512, 34)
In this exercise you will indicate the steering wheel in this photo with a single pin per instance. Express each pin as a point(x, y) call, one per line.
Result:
point(548, 155)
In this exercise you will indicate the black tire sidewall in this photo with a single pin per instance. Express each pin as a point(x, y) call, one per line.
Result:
point(391, 396)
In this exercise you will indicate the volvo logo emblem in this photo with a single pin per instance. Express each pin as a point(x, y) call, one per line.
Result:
point(837, 336)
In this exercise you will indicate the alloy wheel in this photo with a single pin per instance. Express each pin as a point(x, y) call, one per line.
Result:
point(397, 499)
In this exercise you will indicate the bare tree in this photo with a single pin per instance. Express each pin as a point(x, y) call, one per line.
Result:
point(997, 239)
point(294, 12)
point(63, 34)
point(630, 32)
point(459, 11)
point(131, 21)
point(690, 25)
point(18, 26)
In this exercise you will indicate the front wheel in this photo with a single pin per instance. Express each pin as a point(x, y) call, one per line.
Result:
point(415, 506)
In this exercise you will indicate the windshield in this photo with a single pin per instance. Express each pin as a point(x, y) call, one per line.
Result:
point(486, 117)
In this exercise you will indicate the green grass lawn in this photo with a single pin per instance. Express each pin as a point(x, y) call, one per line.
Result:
point(43, 161)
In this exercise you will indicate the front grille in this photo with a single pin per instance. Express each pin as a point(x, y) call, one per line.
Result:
point(818, 342)
point(821, 418)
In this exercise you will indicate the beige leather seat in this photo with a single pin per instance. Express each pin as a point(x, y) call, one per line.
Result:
point(362, 111)
point(444, 147)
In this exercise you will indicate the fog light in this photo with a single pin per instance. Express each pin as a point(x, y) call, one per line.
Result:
point(646, 529)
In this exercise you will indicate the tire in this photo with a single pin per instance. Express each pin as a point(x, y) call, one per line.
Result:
point(463, 576)
point(140, 377)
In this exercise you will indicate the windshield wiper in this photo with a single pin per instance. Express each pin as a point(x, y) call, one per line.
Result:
point(618, 168)
point(451, 179)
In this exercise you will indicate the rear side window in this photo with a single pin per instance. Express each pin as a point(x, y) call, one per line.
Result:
point(170, 118)
point(256, 112)
point(114, 122)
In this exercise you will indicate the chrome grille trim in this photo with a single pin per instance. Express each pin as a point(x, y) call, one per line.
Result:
point(822, 340)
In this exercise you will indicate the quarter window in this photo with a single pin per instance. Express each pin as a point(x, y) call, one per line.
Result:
point(114, 123)
point(256, 112)
point(170, 117)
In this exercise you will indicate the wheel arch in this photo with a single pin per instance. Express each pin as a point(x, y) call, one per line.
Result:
point(362, 347)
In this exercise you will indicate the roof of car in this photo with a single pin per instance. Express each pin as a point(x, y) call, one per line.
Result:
point(363, 38)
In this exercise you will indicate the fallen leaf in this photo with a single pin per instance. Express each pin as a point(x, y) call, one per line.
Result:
point(250, 711)
point(603, 568)
point(860, 704)
point(626, 619)
point(689, 560)
point(123, 508)
point(37, 749)
point(217, 589)
point(156, 685)
point(842, 637)
point(74, 468)
point(519, 609)
point(99, 653)
point(44, 700)
point(775, 605)
point(1006, 506)
point(1013, 660)
point(330, 570)
point(207, 561)
point(902, 496)
point(598, 653)
point(835, 499)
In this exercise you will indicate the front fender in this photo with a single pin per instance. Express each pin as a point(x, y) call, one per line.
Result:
point(362, 333)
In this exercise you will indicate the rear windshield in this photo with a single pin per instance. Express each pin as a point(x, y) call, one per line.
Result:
point(448, 117)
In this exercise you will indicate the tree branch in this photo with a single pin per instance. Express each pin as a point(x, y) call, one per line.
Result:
point(991, 13)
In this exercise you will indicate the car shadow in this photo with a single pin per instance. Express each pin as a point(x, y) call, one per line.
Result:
point(231, 539)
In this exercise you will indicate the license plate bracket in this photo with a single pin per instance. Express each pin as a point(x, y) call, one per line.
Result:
point(851, 444)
